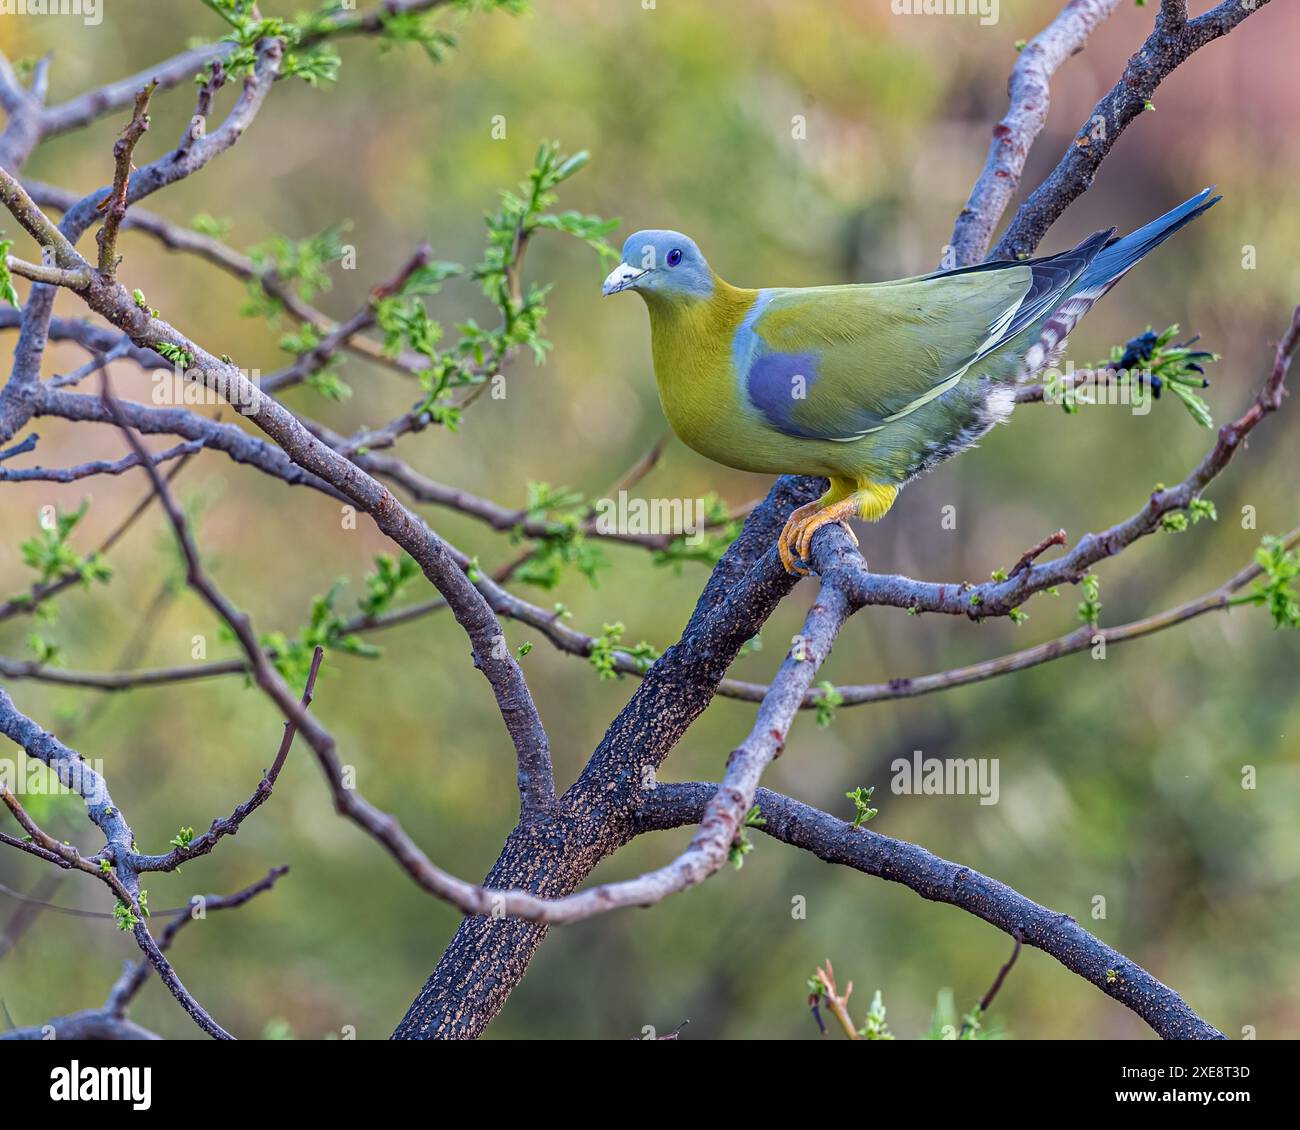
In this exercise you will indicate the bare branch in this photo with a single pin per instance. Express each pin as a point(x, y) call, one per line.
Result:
point(229, 439)
point(134, 976)
point(90, 1024)
point(117, 870)
point(28, 444)
point(52, 276)
point(1081, 639)
point(999, 598)
point(1170, 44)
point(96, 466)
point(215, 80)
point(99, 341)
point(986, 1001)
point(229, 825)
point(1014, 135)
point(1035, 552)
point(123, 348)
point(22, 132)
point(79, 112)
point(939, 880)
point(114, 205)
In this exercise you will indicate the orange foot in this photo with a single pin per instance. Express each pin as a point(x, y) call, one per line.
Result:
point(795, 542)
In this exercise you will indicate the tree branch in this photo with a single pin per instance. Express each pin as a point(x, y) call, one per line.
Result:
point(229, 825)
point(73, 772)
point(114, 205)
point(1081, 639)
point(1030, 98)
point(939, 880)
point(1171, 43)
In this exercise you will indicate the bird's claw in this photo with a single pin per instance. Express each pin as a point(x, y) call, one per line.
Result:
point(783, 547)
point(795, 543)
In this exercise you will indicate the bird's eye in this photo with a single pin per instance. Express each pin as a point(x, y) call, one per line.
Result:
point(674, 257)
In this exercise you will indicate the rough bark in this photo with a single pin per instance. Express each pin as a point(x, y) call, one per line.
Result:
point(488, 958)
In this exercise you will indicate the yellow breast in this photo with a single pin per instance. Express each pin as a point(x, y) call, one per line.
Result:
point(694, 369)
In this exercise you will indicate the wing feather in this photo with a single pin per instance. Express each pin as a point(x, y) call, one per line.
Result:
point(836, 363)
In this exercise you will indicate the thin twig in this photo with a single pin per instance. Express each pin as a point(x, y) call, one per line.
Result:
point(229, 825)
point(1034, 553)
point(986, 1000)
point(134, 976)
point(42, 592)
point(836, 1001)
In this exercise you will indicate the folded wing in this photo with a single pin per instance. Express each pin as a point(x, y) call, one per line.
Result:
point(837, 363)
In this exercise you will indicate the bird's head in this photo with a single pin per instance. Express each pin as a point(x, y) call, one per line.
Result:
point(661, 264)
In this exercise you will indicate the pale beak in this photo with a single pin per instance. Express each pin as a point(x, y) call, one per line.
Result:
point(620, 278)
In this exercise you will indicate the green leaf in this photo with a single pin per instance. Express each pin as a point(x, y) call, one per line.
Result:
point(875, 1028)
point(603, 648)
point(1090, 607)
point(862, 810)
point(827, 699)
point(302, 264)
point(209, 225)
point(7, 291)
point(124, 917)
point(1278, 589)
point(174, 353)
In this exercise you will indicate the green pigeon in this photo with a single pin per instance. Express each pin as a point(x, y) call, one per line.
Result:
point(866, 385)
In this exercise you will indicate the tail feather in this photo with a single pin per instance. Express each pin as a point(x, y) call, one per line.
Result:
point(1103, 271)
point(1120, 255)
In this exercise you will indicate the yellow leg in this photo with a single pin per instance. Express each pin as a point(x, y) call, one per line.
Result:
point(845, 499)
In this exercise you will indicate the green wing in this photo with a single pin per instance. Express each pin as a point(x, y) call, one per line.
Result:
point(839, 362)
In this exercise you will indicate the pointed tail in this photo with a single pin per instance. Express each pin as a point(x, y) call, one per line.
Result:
point(1117, 257)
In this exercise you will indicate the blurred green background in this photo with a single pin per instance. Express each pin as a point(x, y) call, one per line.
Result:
point(1119, 778)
